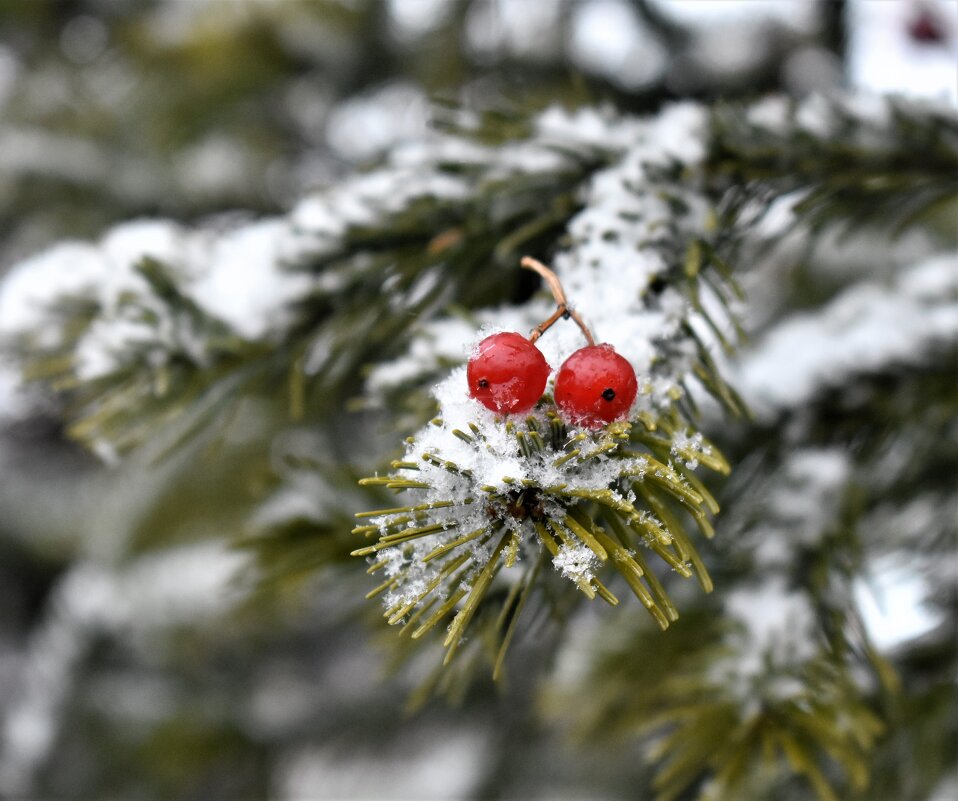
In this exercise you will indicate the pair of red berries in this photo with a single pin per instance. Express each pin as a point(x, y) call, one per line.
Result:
point(508, 374)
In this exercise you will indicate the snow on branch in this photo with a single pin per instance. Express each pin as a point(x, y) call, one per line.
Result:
point(155, 311)
point(151, 299)
point(631, 268)
point(867, 328)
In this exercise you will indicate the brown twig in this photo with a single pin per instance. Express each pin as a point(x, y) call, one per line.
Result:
point(562, 305)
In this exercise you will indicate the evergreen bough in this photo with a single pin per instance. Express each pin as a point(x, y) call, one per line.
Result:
point(663, 216)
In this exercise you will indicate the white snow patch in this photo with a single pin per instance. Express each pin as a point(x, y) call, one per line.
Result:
point(575, 562)
point(30, 290)
point(525, 30)
point(245, 284)
point(883, 57)
point(600, 128)
point(411, 768)
point(608, 38)
point(867, 327)
point(365, 126)
point(772, 113)
point(412, 20)
point(708, 14)
point(892, 598)
point(779, 626)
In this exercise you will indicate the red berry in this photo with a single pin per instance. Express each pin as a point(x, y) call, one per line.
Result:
point(926, 27)
point(595, 386)
point(507, 373)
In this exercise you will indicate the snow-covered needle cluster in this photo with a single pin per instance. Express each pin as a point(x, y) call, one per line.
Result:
point(492, 499)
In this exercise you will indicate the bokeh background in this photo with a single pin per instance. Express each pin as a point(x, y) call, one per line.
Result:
point(141, 655)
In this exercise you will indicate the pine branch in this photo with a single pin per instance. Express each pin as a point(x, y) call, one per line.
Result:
point(872, 161)
point(426, 226)
point(776, 685)
point(284, 298)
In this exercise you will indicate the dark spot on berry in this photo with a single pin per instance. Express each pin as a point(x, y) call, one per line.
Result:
point(609, 394)
point(483, 383)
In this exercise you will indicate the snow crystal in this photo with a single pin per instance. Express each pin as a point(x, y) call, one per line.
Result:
point(499, 458)
point(686, 447)
point(575, 562)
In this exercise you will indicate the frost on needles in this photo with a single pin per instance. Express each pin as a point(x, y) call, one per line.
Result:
point(486, 495)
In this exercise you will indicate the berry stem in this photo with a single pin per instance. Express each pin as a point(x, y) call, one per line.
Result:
point(563, 310)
